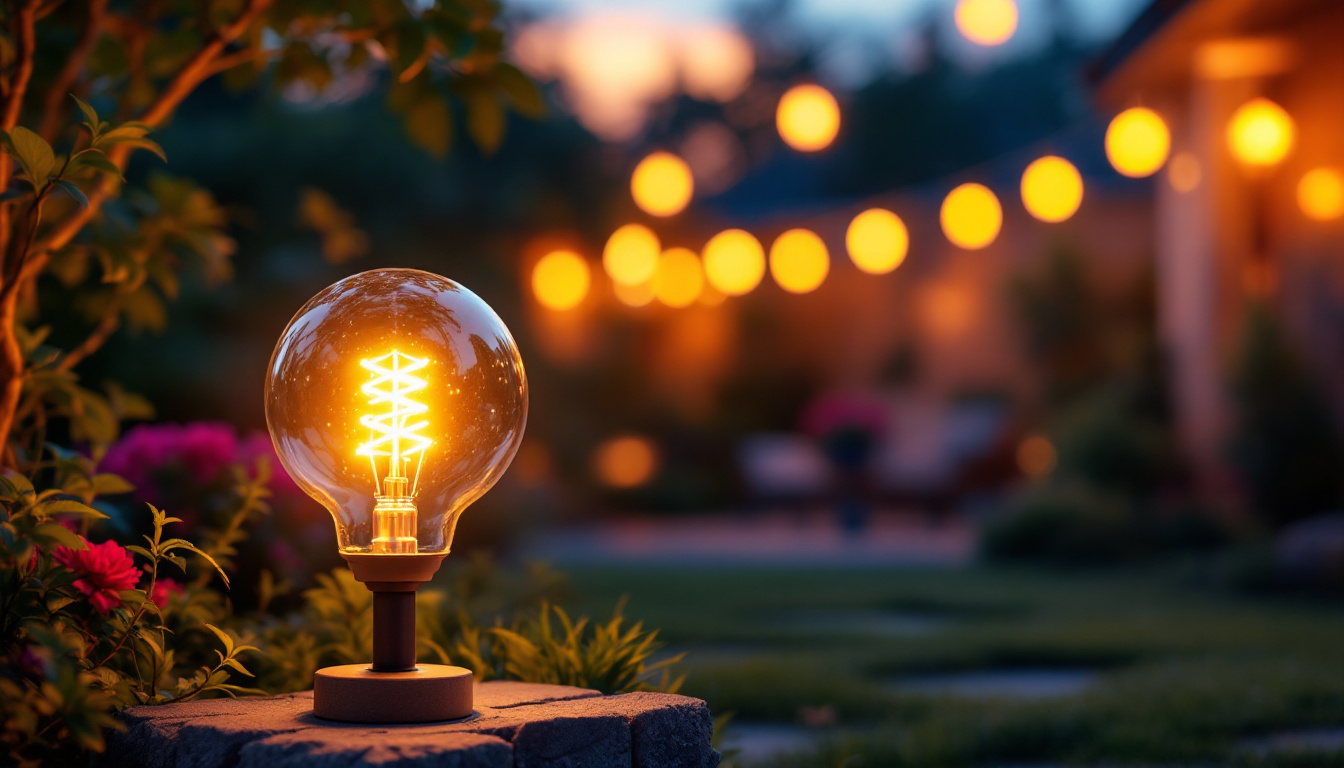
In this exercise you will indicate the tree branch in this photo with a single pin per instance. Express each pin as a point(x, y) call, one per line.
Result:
point(74, 66)
point(107, 325)
point(25, 44)
point(187, 79)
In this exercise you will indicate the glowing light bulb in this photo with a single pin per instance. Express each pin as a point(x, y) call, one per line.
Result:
point(986, 22)
point(662, 184)
point(877, 241)
point(971, 216)
point(396, 398)
point(734, 262)
point(808, 118)
point(1052, 189)
point(1260, 133)
point(1137, 142)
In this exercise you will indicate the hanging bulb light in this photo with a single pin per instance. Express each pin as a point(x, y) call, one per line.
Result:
point(395, 398)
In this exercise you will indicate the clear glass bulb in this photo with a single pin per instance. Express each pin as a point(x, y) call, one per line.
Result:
point(396, 398)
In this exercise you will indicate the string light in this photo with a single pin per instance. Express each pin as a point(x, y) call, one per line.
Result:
point(1320, 194)
point(808, 118)
point(734, 262)
point(877, 241)
point(986, 22)
point(971, 216)
point(662, 184)
point(678, 279)
point(560, 280)
point(1052, 189)
point(631, 254)
point(1137, 142)
point(1260, 133)
point(799, 261)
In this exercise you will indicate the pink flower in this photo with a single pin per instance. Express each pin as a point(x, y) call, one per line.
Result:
point(259, 444)
point(164, 588)
point(103, 571)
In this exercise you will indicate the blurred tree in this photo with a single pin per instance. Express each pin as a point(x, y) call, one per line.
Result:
point(63, 214)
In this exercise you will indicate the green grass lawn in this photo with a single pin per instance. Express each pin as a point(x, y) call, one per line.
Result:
point(1186, 673)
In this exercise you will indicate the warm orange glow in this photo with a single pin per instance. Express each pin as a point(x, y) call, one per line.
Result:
point(393, 433)
point(661, 184)
point(808, 118)
point(716, 63)
point(560, 280)
point(711, 296)
point(631, 254)
point(986, 22)
point(1260, 133)
point(1320, 194)
point(1036, 456)
point(1184, 173)
point(877, 241)
point(971, 216)
point(799, 261)
point(734, 262)
point(640, 295)
point(1052, 189)
point(1137, 142)
point(678, 279)
point(947, 310)
point(628, 461)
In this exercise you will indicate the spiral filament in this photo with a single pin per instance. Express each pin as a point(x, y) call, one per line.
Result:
point(395, 433)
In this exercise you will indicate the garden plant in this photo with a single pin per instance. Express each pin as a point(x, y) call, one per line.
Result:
point(107, 601)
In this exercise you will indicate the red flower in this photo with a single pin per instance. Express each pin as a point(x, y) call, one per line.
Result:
point(164, 588)
point(103, 569)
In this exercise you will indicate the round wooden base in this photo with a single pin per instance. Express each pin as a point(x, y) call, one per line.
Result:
point(353, 693)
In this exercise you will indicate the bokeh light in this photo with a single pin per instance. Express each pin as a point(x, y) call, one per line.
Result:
point(1320, 194)
point(661, 184)
point(560, 280)
point(1036, 456)
point(631, 254)
point(716, 63)
point(1260, 133)
point(678, 280)
point(971, 216)
point(734, 262)
point(1052, 189)
point(986, 22)
point(627, 461)
point(799, 261)
point(638, 295)
point(877, 241)
point(1184, 173)
point(711, 296)
point(808, 118)
point(1137, 142)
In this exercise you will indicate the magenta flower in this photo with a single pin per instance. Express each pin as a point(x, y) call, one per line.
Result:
point(103, 571)
point(164, 588)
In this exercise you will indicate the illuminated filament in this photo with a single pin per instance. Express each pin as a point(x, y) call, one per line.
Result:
point(395, 432)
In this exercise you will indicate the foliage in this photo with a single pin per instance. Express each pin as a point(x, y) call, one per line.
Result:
point(1283, 446)
point(580, 653)
point(83, 636)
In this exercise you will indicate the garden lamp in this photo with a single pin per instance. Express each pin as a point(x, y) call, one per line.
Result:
point(395, 398)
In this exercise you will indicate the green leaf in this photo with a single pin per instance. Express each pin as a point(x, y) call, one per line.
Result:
point(96, 160)
point(34, 155)
point(485, 119)
point(123, 132)
point(146, 144)
point(223, 638)
point(429, 124)
point(74, 192)
point(109, 484)
point(57, 602)
point(89, 113)
point(70, 507)
point(48, 533)
point(522, 93)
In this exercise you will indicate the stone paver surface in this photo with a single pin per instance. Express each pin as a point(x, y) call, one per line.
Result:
point(519, 725)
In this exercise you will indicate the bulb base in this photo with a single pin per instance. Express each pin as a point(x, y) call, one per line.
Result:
point(411, 569)
point(429, 693)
